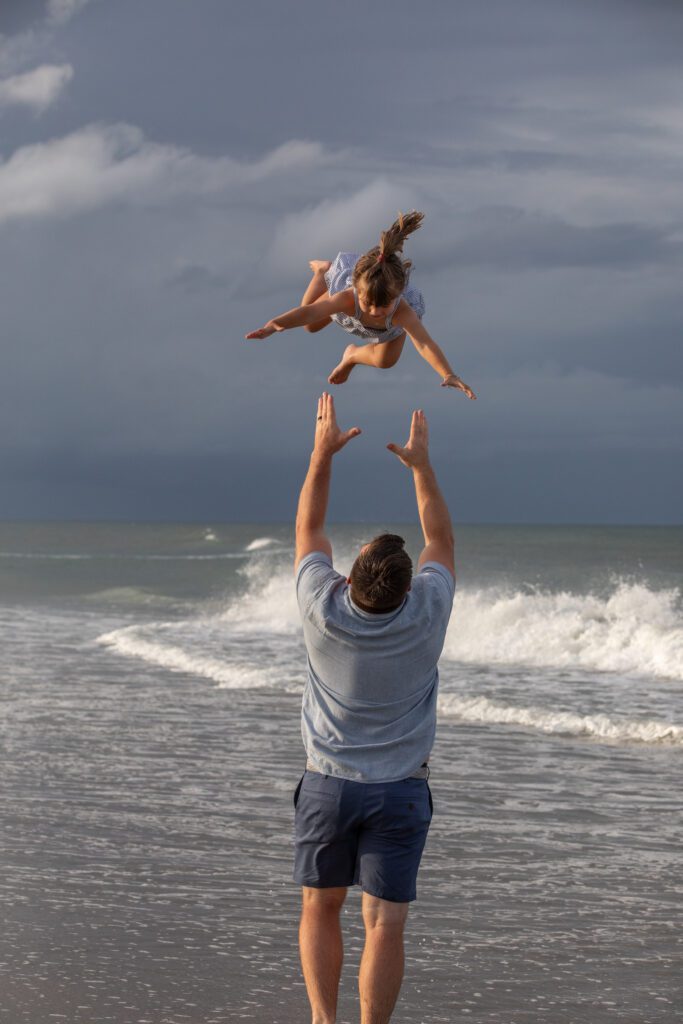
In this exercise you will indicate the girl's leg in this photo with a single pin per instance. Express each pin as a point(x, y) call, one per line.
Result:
point(317, 289)
point(381, 354)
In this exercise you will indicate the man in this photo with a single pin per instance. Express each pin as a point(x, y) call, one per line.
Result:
point(363, 806)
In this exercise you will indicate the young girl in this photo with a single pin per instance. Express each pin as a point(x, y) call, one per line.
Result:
point(370, 298)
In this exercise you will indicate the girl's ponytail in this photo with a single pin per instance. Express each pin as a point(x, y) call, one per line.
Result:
point(382, 269)
point(392, 240)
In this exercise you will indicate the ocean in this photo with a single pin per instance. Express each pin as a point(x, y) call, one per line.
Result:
point(150, 684)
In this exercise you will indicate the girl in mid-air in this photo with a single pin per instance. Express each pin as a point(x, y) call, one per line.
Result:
point(369, 296)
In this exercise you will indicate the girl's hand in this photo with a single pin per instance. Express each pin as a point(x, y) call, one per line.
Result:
point(453, 381)
point(263, 332)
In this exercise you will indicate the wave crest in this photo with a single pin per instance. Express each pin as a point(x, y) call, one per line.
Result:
point(484, 711)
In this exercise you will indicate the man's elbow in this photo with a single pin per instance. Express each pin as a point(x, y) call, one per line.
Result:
point(446, 543)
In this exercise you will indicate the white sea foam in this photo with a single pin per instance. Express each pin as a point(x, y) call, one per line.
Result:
point(602, 727)
point(269, 603)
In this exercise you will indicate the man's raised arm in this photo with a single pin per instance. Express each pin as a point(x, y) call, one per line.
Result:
point(434, 515)
point(310, 516)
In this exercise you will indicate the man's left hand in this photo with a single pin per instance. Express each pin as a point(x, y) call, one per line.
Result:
point(329, 439)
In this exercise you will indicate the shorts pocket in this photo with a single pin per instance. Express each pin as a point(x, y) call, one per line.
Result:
point(297, 791)
point(323, 787)
point(431, 802)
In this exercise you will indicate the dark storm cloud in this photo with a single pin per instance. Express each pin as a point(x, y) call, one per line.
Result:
point(157, 202)
point(510, 239)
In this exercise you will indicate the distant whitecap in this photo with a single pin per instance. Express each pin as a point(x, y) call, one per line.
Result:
point(259, 543)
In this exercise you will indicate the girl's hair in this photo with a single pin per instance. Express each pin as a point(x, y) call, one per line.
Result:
point(382, 270)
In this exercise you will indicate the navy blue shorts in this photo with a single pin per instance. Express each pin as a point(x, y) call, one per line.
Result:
point(359, 833)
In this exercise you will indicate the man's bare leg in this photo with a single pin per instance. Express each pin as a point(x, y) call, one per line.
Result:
point(322, 953)
point(317, 288)
point(381, 968)
point(381, 354)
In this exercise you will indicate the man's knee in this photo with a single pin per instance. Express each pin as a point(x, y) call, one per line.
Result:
point(379, 913)
point(322, 900)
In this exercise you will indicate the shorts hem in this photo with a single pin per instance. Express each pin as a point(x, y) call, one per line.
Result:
point(317, 884)
point(380, 895)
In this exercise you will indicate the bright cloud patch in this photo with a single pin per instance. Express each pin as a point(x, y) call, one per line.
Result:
point(351, 223)
point(37, 89)
point(100, 164)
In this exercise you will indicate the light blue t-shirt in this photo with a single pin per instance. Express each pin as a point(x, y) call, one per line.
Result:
point(369, 706)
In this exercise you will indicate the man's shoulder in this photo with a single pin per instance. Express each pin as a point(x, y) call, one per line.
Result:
point(314, 561)
point(314, 575)
point(433, 590)
point(434, 573)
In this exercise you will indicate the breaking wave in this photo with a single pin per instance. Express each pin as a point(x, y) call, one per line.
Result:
point(629, 631)
point(632, 630)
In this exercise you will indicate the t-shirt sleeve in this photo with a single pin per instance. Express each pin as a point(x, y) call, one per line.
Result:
point(314, 575)
point(441, 584)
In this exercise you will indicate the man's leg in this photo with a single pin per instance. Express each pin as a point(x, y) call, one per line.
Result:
point(320, 942)
point(381, 969)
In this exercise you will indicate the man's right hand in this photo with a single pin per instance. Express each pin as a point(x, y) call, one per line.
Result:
point(415, 455)
point(329, 438)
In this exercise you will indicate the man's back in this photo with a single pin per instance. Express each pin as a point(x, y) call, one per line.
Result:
point(369, 708)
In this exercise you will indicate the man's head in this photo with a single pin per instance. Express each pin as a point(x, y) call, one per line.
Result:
point(380, 576)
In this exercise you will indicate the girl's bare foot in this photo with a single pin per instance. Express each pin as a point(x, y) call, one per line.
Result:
point(341, 372)
point(319, 266)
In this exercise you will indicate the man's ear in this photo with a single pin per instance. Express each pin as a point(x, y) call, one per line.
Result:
point(348, 580)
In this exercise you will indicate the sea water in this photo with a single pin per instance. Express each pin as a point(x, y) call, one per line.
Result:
point(150, 683)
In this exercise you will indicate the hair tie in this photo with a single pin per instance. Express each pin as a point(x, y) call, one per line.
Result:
point(380, 258)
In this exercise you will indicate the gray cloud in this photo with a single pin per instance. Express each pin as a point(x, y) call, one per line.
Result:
point(58, 12)
point(195, 279)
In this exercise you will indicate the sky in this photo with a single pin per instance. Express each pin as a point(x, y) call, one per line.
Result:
point(168, 168)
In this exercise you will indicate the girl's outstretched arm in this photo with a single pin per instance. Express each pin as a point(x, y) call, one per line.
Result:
point(303, 315)
point(428, 348)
